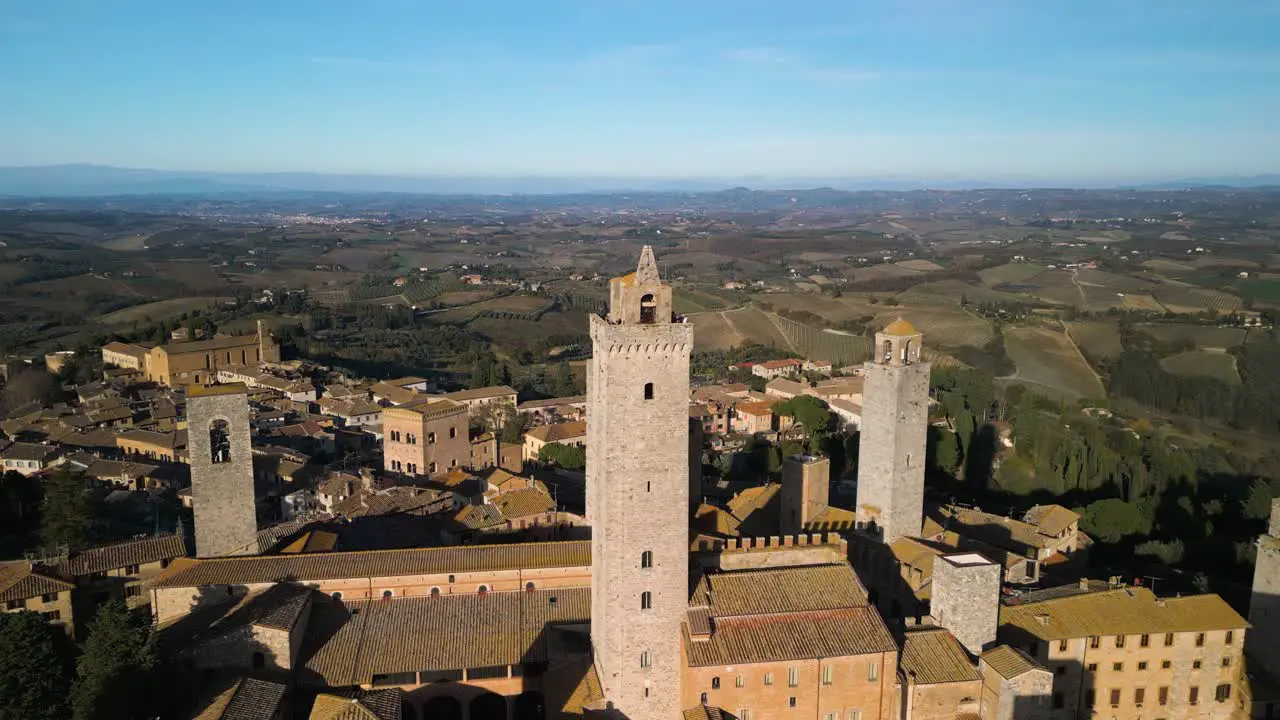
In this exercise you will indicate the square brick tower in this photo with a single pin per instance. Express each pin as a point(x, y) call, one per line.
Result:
point(221, 470)
point(638, 493)
point(895, 418)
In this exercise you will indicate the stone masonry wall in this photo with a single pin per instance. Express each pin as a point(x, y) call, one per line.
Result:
point(638, 487)
point(891, 453)
point(1264, 605)
point(966, 598)
point(222, 493)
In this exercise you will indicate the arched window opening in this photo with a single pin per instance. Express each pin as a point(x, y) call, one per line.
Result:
point(386, 594)
point(715, 683)
point(435, 592)
point(646, 559)
point(648, 309)
point(483, 589)
point(529, 587)
point(906, 353)
point(648, 391)
point(219, 441)
point(646, 600)
point(886, 351)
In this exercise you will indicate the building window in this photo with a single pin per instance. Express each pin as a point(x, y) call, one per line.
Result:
point(644, 659)
point(453, 433)
point(873, 672)
point(1222, 693)
point(133, 591)
point(1165, 664)
point(648, 309)
point(530, 587)
point(1139, 696)
point(1095, 642)
point(1199, 639)
point(51, 597)
point(1168, 639)
point(482, 589)
point(826, 674)
point(386, 594)
point(1142, 665)
point(1193, 697)
point(646, 559)
point(1119, 641)
point(744, 713)
point(703, 699)
point(53, 616)
point(791, 701)
point(1093, 667)
point(219, 441)
point(1117, 667)
point(793, 677)
point(648, 391)
point(768, 678)
point(411, 438)
point(1226, 662)
point(432, 468)
point(450, 579)
point(1162, 696)
point(1088, 697)
point(715, 683)
point(435, 592)
point(1195, 665)
point(1144, 640)
point(854, 715)
point(336, 596)
point(1115, 698)
point(431, 438)
point(646, 600)
point(1062, 646)
point(740, 681)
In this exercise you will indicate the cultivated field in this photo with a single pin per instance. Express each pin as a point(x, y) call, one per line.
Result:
point(1048, 361)
point(1205, 363)
point(712, 331)
point(1204, 336)
point(942, 325)
point(1098, 340)
point(159, 310)
point(955, 291)
point(1014, 273)
point(1181, 298)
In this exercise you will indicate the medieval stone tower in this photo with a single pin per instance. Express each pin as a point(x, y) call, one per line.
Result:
point(895, 417)
point(221, 470)
point(638, 493)
point(1264, 606)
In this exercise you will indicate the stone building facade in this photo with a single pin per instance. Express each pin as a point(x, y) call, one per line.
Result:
point(891, 453)
point(805, 491)
point(1014, 687)
point(221, 459)
point(966, 598)
point(1264, 605)
point(637, 493)
point(426, 436)
point(187, 363)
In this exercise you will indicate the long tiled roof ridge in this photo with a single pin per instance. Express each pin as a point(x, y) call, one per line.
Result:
point(1120, 611)
point(125, 554)
point(375, 563)
point(932, 655)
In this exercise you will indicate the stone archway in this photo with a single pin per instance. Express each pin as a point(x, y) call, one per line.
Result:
point(488, 706)
point(530, 705)
point(442, 707)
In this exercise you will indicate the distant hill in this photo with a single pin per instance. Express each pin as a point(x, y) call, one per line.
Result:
point(100, 180)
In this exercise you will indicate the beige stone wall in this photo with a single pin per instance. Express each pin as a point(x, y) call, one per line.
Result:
point(1026, 697)
point(61, 605)
point(637, 502)
point(442, 440)
point(222, 493)
point(891, 453)
point(1086, 668)
point(942, 701)
point(851, 688)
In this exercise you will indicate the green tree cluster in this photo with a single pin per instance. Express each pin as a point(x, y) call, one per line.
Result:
point(567, 457)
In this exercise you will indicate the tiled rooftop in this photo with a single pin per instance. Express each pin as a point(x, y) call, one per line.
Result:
point(933, 655)
point(1123, 611)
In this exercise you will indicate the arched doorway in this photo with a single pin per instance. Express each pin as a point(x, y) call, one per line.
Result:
point(530, 706)
point(442, 707)
point(488, 706)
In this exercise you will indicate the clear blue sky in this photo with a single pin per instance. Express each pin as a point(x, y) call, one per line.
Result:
point(682, 88)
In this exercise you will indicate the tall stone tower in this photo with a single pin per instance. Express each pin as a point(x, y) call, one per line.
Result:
point(805, 491)
point(895, 416)
point(221, 470)
point(1264, 605)
point(638, 493)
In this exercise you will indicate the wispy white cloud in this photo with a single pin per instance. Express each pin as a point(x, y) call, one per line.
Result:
point(788, 65)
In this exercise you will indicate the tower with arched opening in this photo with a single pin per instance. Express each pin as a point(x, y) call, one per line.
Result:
point(638, 493)
point(221, 470)
point(895, 415)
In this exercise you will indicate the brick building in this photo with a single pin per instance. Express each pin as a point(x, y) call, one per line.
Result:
point(425, 436)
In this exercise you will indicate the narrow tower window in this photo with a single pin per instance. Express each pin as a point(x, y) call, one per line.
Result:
point(648, 309)
point(646, 559)
point(648, 391)
point(219, 441)
point(646, 600)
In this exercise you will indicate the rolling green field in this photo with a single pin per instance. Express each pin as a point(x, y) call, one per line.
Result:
point(1097, 340)
point(1018, 272)
point(1204, 336)
point(1218, 365)
point(1047, 361)
point(159, 309)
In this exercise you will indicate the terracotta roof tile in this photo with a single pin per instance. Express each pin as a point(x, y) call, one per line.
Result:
point(1123, 611)
point(120, 555)
point(20, 580)
point(359, 705)
point(1010, 662)
point(246, 699)
point(559, 431)
point(933, 655)
point(374, 563)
